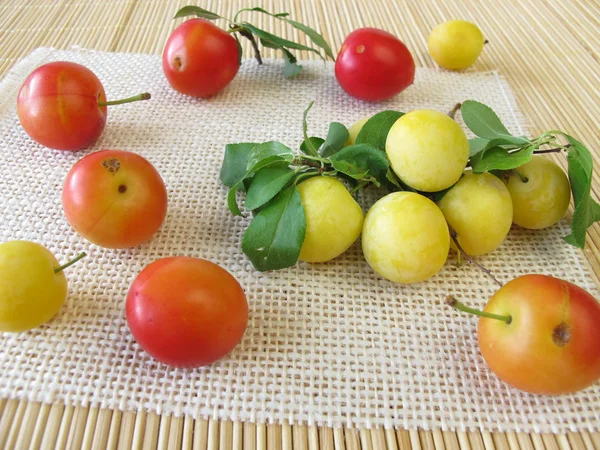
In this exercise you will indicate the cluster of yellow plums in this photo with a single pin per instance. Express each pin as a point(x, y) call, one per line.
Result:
point(406, 236)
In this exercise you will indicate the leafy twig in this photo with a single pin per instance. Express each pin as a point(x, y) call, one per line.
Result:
point(257, 35)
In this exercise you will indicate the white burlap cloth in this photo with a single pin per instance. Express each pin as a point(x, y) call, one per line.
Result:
point(328, 344)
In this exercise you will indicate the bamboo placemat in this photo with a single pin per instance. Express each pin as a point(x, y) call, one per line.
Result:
point(548, 50)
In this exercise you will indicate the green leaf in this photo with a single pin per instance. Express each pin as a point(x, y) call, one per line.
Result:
point(196, 11)
point(267, 43)
point(481, 145)
point(310, 148)
point(241, 161)
point(267, 183)
point(232, 201)
point(362, 162)
point(291, 69)
point(336, 138)
point(259, 9)
point(393, 179)
point(315, 142)
point(376, 129)
point(275, 235)
point(263, 155)
point(276, 40)
point(484, 122)
point(586, 211)
point(235, 163)
point(256, 8)
point(314, 36)
point(476, 145)
point(498, 158)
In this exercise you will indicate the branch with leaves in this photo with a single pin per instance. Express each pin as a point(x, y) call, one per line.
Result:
point(496, 150)
point(269, 172)
point(256, 35)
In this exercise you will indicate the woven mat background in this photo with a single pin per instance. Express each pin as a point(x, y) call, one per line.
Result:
point(548, 50)
point(328, 344)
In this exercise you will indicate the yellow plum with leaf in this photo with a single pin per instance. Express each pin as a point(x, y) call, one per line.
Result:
point(540, 192)
point(333, 219)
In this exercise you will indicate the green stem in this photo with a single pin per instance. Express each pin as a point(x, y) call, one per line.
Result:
point(452, 301)
point(523, 178)
point(316, 158)
point(304, 175)
point(359, 186)
point(135, 98)
point(234, 29)
point(70, 263)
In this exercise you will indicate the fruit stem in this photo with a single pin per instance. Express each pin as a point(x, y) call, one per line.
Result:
point(454, 110)
point(452, 301)
point(523, 178)
point(70, 263)
point(469, 258)
point(486, 42)
point(135, 98)
point(304, 175)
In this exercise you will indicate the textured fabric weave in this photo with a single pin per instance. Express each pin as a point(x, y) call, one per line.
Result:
point(327, 344)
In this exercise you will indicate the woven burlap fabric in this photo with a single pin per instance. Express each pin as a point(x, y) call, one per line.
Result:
point(328, 344)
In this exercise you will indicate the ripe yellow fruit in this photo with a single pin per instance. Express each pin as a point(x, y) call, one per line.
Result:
point(405, 237)
point(480, 210)
point(542, 197)
point(427, 150)
point(354, 130)
point(456, 44)
point(333, 219)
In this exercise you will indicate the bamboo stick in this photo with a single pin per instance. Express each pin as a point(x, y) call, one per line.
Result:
point(299, 437)
point(200, 435)
point(113, 432)
point(139, 427)
point(404, 440)
point(52, 426)
point(151, 430)
point(101, 433)
point(40, 424)
point(352, 439)
point(27, 426)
